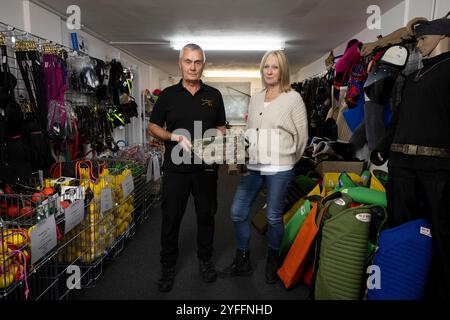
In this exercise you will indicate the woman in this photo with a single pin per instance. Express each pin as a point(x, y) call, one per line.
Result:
point(277, 122)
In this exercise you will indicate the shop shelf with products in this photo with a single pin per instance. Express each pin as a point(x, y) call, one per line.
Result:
point(147, 175)
point(125, 179)
point(40, 223)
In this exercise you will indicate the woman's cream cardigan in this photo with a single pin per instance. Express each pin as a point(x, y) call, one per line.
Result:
point(278, 133)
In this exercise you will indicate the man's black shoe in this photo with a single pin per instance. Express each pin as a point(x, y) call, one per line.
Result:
point(165, 283)
point(207, 270)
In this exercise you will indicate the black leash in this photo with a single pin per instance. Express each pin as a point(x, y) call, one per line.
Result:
point(4, 68)
point(36, 124)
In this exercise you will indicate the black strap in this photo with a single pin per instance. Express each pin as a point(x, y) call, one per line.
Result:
point(29, 64)
point(4, 67)
point(24, 71)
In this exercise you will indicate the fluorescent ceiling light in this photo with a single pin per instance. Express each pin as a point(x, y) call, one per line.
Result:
point(231, 44)
point(231, 74)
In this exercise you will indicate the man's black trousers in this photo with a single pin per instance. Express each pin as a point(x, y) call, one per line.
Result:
point(176, 190)
point(414, 194)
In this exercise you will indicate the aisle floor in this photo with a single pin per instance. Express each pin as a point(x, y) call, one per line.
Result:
point(134, 273)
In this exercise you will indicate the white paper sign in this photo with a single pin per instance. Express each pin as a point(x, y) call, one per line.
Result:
point(43, 238)
point(73, 215)
point(106, 200)
point(128, 186)
point(55, 201)
point(156, 169)
point(149, 171)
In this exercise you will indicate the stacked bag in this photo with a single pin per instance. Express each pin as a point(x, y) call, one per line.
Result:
point(337, 236)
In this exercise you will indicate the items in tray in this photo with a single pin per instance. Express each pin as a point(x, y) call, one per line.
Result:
point(14, 255)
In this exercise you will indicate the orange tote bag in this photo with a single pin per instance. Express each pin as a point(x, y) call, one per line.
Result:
point(295, 261)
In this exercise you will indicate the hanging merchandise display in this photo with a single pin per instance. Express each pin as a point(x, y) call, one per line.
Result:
point(128, 107)
point(345, 64)
point(4, 99)
point(55, 82)
point(83, 77)
point(35, 123)
point(15, 160)
point(384, 72)
point(351, 71)
point(102, 72)
point(316, 93)
point(115, 84)
point(83, 213)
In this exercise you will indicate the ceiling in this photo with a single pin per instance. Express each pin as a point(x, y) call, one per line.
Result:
point(310, 28)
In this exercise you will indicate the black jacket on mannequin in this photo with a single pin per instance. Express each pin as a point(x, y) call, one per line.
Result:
point(423, 117)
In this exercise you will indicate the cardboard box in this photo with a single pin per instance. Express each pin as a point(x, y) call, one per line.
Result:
point(340, 166)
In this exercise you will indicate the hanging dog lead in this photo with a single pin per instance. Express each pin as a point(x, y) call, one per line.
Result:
point(35, 125)
point(15, 163)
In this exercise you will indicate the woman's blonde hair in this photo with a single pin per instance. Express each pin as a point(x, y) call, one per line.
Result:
point(283, 65)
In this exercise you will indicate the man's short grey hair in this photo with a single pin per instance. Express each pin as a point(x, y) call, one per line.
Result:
point(195, 47)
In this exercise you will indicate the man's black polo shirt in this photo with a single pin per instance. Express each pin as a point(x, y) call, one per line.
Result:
point(177, 108)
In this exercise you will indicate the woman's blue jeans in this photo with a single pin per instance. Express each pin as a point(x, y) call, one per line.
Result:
point(277, 186)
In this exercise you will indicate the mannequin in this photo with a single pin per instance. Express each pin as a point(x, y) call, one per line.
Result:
point(443, 46)
point(417, 143)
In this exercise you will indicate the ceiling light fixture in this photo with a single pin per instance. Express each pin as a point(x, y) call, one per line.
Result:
point(231, 74)
point(230, 44)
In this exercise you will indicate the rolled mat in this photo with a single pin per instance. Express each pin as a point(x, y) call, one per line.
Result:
point(367, 196)
point(338, 181)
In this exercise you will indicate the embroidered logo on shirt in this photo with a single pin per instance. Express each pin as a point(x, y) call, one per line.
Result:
point(207, 103)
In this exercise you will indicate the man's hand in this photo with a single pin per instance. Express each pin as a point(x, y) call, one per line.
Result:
point(222, 131)
point(182, 141)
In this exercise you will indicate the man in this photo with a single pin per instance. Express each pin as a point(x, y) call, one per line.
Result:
point(417, 144)
point(178, 107)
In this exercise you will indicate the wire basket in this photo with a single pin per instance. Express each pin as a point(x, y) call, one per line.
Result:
point(38, 209)
point(145, 163)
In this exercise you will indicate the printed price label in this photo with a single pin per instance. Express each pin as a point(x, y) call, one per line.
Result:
point(72, 193)
point(43, 238)
point(106, 200)
point(127, 186)
point(73, 215)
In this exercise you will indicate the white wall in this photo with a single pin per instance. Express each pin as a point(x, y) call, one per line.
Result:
point(442, 8)
point(27, 16)
point(12, 13)
point(160, 79)
point(44, 23)
point(392, 20)
point(419, 8)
